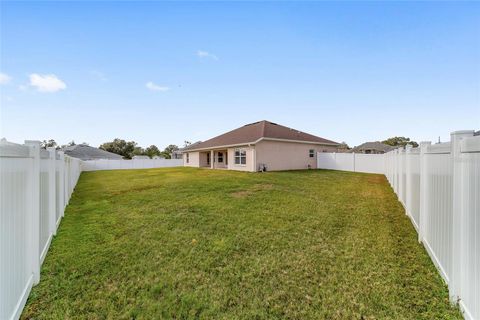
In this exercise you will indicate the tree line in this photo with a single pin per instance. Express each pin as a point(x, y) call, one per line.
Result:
point(394, 142)
point(127, 149)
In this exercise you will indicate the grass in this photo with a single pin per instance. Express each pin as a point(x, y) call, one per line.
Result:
point(186, 243)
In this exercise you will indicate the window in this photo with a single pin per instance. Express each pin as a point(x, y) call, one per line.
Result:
point(188, 157)
point(311, 153)
point(220, 157)
point(240, 156)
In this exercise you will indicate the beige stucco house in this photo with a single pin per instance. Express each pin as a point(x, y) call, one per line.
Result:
point(259, 146)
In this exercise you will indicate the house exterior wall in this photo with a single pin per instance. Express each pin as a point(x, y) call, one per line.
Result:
point(276, 155)
point(249, 166)
point(280, 155)
point(194, 159)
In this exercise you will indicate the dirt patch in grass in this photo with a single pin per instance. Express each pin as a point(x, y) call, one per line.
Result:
point(258, 187)
point(241, 194)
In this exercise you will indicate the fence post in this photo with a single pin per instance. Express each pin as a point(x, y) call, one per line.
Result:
point(33, 250)
point(353, 153)
point(408, 180)
point(458, 218)
point(52, 191)
point(61, 181)
point(396, 161)
point(398, 165)
point(422, 228)
point(65, 181)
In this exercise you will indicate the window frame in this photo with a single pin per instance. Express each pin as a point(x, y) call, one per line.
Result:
point(219, 157)
point(242, 155)
point(311, 153)
point(188, 158)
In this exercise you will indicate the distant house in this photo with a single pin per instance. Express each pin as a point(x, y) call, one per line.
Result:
point(178, 154)
point(140, 157)
point(375, 147)
point(144, 157)
point(86, 152)
point(259, 146)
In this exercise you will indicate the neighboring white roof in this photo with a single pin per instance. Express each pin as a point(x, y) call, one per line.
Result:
point(85, 152)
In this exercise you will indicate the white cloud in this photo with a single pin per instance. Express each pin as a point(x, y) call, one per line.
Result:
point(47, 82)
point(4, 78)
point(100, 75)
point(155, 87)
point(204, 54)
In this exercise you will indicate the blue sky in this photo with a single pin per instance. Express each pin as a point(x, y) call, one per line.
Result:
point(161, 73)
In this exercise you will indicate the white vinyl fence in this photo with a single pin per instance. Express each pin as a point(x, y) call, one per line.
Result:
point(94, 165)
point(439, 186)
point(371, 163)
point(35, 187)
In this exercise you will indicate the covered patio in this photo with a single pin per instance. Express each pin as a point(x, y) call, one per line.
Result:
point(214, 159)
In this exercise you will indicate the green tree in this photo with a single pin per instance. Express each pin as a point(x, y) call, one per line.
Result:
point(167, 152)
point(127, 149)
point(344, 146)
point(152, 151)
point(70, 144)
point(48, 144)
point(399, 142)
point(138, 151)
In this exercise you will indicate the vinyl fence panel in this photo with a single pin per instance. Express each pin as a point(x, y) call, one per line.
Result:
point(413, 185)
point(328, 160)
point(45, 232)
point(370, 163)
point(438, 219)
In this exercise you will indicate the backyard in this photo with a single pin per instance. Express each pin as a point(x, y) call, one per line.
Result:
point(185, 243)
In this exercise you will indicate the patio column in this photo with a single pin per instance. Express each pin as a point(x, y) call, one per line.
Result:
point(212, 159)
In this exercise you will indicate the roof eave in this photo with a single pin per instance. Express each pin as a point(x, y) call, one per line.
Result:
point(258, 140)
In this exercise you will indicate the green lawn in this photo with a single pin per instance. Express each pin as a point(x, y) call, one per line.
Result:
point(187, 243)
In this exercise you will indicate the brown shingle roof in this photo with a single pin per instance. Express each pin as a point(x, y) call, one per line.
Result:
point(254, 131)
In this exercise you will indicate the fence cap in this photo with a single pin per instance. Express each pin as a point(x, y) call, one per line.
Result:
point(9, 149)
point(463, 132)
point(33, 142)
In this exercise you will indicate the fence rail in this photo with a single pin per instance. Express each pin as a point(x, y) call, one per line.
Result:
point(35, 187)
point(439, 186)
